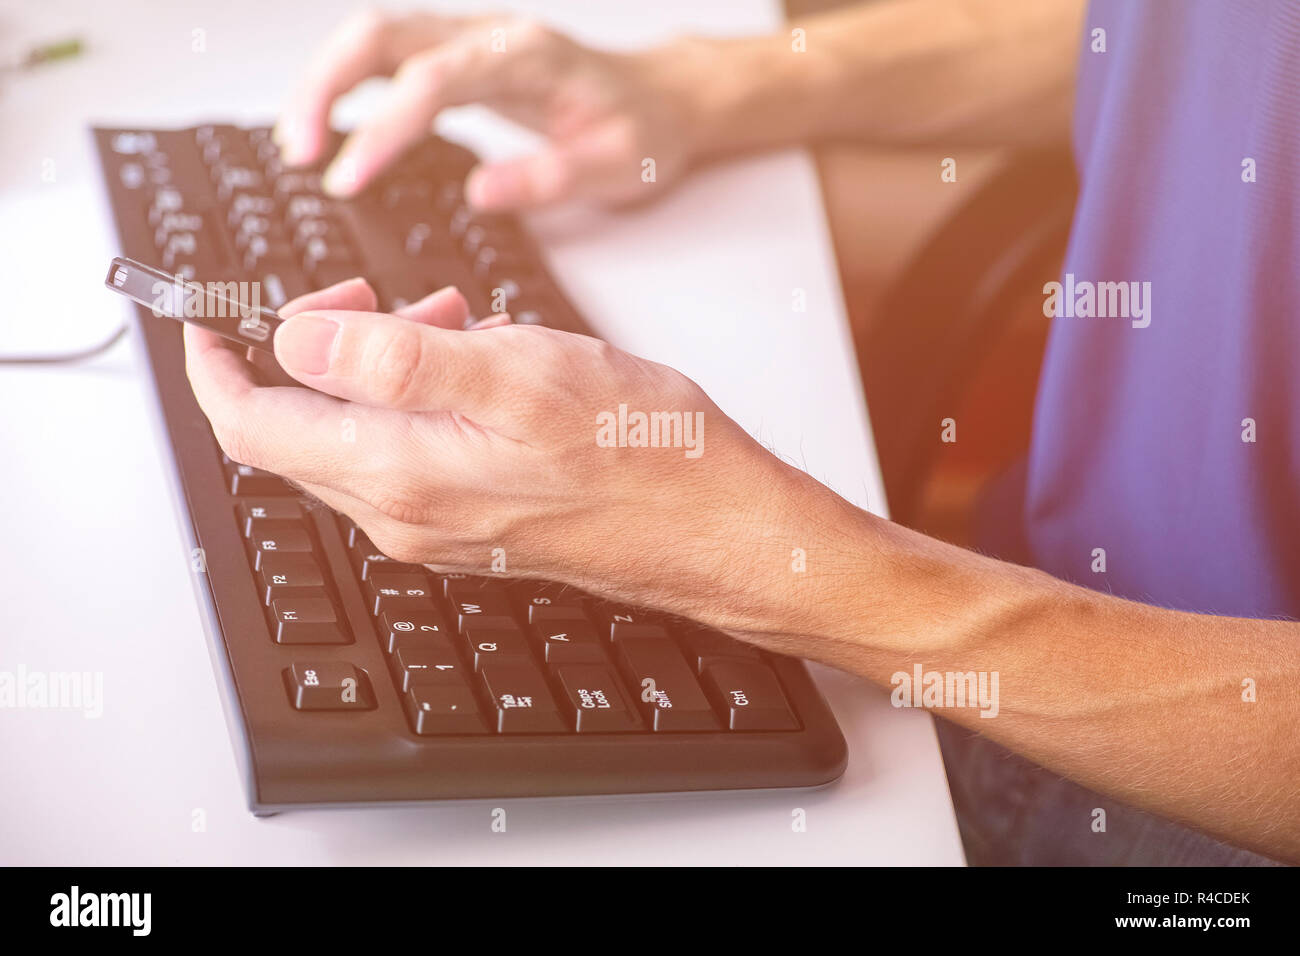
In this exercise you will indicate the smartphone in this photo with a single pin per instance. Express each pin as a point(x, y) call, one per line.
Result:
point(230, 309)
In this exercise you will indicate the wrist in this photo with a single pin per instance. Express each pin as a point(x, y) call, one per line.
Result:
point(802, 564)
point(720, 91)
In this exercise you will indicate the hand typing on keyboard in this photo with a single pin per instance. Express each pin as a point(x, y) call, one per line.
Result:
point(603, 113)
point(572, 460)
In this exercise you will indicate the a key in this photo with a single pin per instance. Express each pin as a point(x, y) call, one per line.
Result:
point(705, 647)
point(597, 702)
point(545, 602)
point(432, 661)
point(569, 642)
point(328, 685)
point(619, 622)
point(267, 254)
point(249, 204)
point(289, 575)
point(233, 179)
point(398, 627)
point(261, 513)
point(307, 620)
point(522, 700)
point(480, 602)
point(368, 562)
point(285, 537)
point(668, 694)
point(179, 247)
point(304, 207)
point(443, 709)
point(247, 481)
point(500, 644)
point(749, 694)
point(173, 222)
point(391, 592)
point(289, 186)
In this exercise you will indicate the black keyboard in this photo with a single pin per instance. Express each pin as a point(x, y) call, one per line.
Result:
point(349, 678)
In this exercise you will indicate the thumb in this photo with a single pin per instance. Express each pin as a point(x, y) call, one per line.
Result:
point(389, 362)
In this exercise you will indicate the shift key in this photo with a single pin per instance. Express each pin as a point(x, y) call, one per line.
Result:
point(669, 695)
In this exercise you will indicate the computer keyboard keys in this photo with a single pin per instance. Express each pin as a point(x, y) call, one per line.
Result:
point(522, 700)
point(398, 627)
point(255, 513)
point(431, 661)
point(569, 642)
point(282, 537)
point(705, 647)
point(749, 694)
point(479, 602)
point(499, 644)
point(618, 622)
point(446, 709)
point(289, 575)
point(544, 601)
point(368, 562)
point(668, 694)
point(391, 592)
point(307, 620)
point(247, 481)
point(607, 691)
point(328, 685)
point(596, 700)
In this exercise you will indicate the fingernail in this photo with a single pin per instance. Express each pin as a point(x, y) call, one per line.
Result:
point(305, 343)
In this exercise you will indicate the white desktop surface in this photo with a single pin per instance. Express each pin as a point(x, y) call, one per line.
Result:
point(93, 573)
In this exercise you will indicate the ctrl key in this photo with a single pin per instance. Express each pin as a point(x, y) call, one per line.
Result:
point(332, 685)
point(749, 695)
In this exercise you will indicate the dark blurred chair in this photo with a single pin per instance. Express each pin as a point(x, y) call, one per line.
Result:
point(959, 333)
point(946, 330)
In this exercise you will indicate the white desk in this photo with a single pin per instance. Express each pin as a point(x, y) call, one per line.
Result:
point(92, 573)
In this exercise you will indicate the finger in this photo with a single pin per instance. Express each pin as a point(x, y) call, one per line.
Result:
point(290, 431)
point(383, 361)
point(365, 45)
point(210, 359)
point(461, 71)
point(350, 294)
point(447, 309)
point(564, 169)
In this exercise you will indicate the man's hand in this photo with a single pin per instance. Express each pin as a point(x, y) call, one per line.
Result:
point(444, 445)
point(602, 113)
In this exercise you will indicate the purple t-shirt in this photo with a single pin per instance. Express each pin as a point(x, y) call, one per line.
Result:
point(1187, 134)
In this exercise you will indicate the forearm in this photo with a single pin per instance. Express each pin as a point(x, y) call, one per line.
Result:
point(898, 72)
point(1143, 703)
